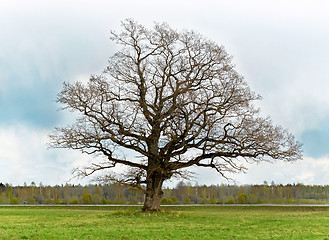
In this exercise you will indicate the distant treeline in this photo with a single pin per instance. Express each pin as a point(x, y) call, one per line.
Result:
point(182, 194)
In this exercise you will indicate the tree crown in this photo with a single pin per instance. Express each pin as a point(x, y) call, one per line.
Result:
point(174, 99)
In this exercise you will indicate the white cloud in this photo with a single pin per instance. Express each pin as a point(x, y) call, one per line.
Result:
point(279, 46)
point(308, 171)
point(24, 157)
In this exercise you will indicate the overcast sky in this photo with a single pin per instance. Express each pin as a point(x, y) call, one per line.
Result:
point(280, 47)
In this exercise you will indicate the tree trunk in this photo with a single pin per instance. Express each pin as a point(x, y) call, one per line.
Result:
point(153, 193)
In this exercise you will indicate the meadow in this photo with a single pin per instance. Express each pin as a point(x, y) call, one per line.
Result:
point(187, 222)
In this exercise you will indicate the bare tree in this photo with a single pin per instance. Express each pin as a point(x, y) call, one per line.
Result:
point(176, 101)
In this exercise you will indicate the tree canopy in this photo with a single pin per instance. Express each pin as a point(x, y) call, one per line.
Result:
point(175, 99)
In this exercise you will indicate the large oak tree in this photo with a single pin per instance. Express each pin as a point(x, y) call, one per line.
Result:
point(174, 99)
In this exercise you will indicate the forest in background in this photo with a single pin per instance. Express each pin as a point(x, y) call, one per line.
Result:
point(183, 193)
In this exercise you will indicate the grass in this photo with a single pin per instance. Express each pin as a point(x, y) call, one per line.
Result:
point(219, 222)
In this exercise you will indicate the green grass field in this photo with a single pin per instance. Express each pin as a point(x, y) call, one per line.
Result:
point(219, 222)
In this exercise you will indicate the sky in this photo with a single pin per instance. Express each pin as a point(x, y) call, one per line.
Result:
point(280, 47)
